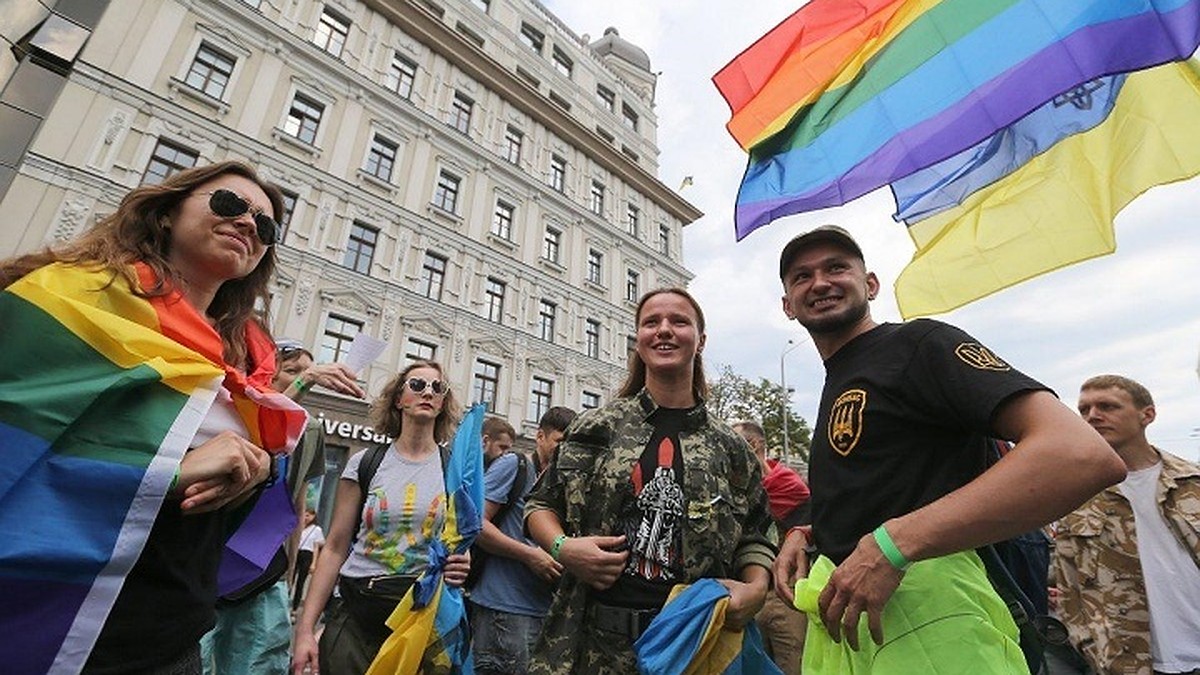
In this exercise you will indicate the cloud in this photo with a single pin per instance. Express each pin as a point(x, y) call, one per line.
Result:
point(1136, 312)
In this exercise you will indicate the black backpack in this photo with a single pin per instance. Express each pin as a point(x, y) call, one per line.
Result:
point(479, 556)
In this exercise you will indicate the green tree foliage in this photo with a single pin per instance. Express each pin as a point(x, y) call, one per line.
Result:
point(735, 398)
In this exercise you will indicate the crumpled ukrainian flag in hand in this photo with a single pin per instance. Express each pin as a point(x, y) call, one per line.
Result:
point(688, 637)
point(430, 633)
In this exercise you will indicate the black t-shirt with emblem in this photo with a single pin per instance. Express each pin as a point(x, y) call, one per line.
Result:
point(905, 418)
point(652, 519)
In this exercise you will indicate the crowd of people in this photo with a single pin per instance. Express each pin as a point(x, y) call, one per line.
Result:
point(877, 563)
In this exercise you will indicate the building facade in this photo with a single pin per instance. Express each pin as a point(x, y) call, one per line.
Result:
point(468, 180)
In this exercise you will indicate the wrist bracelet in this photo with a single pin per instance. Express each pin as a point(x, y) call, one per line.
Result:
point(174, 479)
point(890, 550)
point(301, 385)
point(556, 547)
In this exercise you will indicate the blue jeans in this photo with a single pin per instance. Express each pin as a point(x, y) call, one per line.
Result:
point(501, 641)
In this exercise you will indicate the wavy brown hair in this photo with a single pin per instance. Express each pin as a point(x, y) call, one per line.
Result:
point(134, 233)
point(635, 381)
point(388, 420)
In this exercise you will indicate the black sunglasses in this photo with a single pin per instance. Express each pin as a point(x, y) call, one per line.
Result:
point(229, 204)
point(417, 385)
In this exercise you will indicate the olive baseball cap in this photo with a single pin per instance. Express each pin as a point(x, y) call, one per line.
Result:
point(823, 234)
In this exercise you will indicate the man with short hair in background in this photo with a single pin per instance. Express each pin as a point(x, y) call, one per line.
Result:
point(787, 495)
point(1128, 561)
point(514, 588)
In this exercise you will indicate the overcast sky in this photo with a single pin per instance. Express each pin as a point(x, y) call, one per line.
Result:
point(1134, 313)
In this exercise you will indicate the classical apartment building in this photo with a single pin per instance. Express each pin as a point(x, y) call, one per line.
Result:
point(468, 180)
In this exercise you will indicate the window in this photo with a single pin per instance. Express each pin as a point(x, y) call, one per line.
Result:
point(482, 5)
point(532, 38)
point(592, 338)
point(445, 195)
point(419, 350)
point(472, 37)
point(289, 207)
point(629, 117)
point(633, 217)
point(630, 344)
point(529, 77)
point(606, 97)
point(558, 173)
point(546, 311)
point(595, 266)
point(559, 101)
point(210, 71)
point(629, 153)
point(381, 158)
point(339, 333)
point(304, 118)
point(495, 300)
point(332, 30)
point(401, 76)
point(512, 144)
point(664, 239)
point(433, 275)
point(460, 112)
point(502, 220)
point(551, 243)
point(167, 160)
point(631, 286)
point(562, 62)
point(597, 202)
point(485, 384)
point(589, 400)
point(360, 248)
point(604, 133)
point(540, 395)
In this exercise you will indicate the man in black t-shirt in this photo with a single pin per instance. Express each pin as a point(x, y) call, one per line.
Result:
point(898, 475)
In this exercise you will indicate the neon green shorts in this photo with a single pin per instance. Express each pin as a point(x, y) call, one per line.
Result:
point(944, 619)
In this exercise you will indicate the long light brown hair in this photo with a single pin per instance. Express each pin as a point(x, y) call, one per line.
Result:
point(388, 420)
point(635, 380)
point(135, 233)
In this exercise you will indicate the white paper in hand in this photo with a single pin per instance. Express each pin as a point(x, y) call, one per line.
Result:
point(363, 351)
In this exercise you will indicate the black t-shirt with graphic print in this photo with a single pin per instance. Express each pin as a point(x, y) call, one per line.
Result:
point(904, 419)
point(652, 519)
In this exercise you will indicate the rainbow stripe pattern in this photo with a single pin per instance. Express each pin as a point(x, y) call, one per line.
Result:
point(430, 632)
point(846, 96)
point(101, 393)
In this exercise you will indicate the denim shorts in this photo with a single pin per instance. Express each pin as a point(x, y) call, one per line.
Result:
point(502, 641)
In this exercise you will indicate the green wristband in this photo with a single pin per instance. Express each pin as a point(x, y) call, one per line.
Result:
point(556, 547)
point(174, 480)
point(890, 550)
point(302, 386)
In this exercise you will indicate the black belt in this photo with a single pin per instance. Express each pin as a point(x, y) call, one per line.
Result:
point(620, 620)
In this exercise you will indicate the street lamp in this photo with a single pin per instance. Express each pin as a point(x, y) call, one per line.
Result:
point(787, 396)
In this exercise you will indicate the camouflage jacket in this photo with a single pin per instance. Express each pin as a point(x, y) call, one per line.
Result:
point(590, 477)
point(1096, 563)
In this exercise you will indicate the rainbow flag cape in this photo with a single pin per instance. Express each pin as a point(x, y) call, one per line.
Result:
point(101, 393)
point(846, 96)
point(430, 633)
point(688, 637)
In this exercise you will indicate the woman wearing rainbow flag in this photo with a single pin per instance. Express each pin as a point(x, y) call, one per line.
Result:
point(135, 414)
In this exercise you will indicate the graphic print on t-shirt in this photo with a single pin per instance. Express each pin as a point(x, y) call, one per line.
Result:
point(654, 543)
point(846, 420)
point(391, 540)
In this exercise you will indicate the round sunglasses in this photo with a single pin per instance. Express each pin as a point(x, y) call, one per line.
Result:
point(418, 384)
point(229, 204)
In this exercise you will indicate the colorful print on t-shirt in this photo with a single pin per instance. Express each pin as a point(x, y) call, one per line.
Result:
point(394, 538)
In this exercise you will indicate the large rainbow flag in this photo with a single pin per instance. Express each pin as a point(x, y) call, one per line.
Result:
point(101, 393)
point(430, 633)
point(847, 96)
point(1008, 129)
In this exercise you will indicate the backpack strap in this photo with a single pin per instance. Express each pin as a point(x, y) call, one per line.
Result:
point(514, 490)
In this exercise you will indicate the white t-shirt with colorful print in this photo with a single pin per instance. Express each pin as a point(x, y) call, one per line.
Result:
point(405, 508)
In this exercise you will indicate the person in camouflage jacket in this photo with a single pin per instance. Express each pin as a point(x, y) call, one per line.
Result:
point(1098, 567)
point(578, 502)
